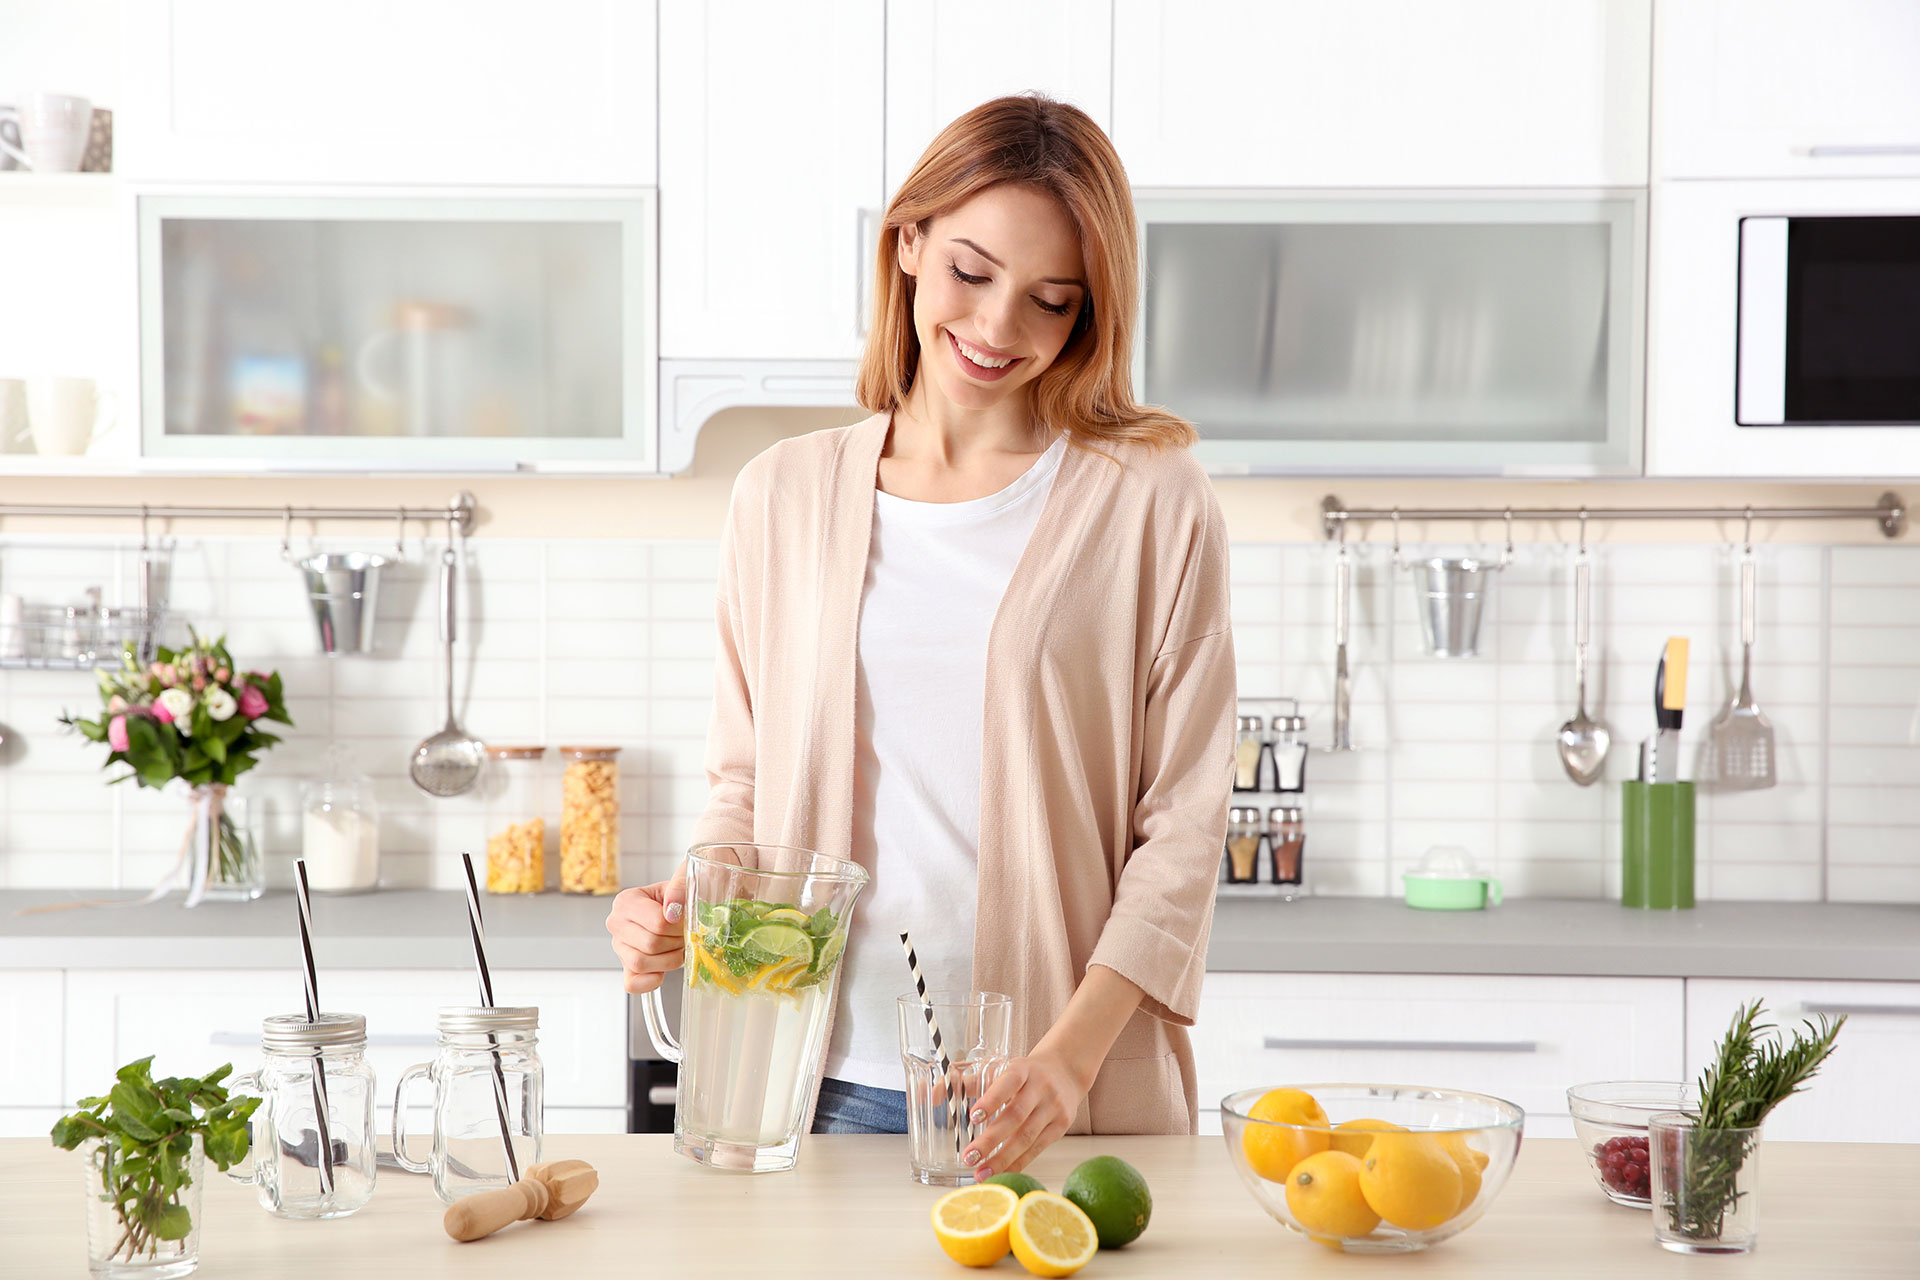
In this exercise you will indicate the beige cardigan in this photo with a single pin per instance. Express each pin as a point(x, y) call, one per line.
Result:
point(1107, 734)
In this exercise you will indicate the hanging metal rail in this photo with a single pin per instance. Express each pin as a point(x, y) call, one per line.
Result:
point(1890, 513)
point(458, 513)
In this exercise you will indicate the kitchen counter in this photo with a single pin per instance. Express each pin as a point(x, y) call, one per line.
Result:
point(412, 928)
point(1826, 1209)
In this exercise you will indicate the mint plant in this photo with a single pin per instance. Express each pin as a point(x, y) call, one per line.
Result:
point(149, 1127)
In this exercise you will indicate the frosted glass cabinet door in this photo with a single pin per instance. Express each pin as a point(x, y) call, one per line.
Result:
point(388, 330)
point(1366, 333)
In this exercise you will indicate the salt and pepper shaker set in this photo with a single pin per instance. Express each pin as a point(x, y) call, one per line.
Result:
point(1270, 759)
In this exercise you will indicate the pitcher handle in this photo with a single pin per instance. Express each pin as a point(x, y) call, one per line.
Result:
point(247, 1172)
point(655, 1013)
point(400, 1119)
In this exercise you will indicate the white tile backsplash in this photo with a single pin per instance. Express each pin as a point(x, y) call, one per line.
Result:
point(613, 641)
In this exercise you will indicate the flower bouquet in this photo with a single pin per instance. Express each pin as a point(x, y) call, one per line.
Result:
point(192, 715)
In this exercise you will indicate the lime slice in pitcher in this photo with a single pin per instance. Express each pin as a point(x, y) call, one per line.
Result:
point(772, 943)
point(827, 952)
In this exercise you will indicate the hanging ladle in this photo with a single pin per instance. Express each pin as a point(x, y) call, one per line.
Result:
point(447, 763)
point(1583, 743)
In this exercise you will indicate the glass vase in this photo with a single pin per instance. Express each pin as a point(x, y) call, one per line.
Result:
point(1704, 1185)
point(223, 840)
point(136, 1228)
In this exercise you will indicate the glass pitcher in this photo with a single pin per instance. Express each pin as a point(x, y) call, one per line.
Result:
point(766, 926)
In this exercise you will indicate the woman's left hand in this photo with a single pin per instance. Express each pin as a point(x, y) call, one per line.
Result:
point(1035, 1098)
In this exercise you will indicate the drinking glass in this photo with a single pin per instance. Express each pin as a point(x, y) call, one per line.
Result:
point(1704, 1184)
point(974, 1030)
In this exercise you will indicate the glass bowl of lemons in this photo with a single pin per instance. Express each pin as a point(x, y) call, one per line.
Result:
point(1372, 1168)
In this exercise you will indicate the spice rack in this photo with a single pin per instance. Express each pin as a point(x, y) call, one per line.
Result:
point(1266, 828)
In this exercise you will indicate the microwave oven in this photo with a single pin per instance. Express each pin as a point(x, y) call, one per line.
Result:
point(1783, 329)
point(1829, 321)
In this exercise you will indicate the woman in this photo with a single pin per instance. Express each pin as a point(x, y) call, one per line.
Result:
point(979, 643)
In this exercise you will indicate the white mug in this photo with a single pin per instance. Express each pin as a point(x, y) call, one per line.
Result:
point(13, 414)
point(65, 415)
point(53, 132)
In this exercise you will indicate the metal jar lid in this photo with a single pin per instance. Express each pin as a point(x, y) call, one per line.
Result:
point(1244, 815)
point(1286, 813)
point(1249, 724)
point(292, 1033)
point(467, 1020)
point(1290, 724)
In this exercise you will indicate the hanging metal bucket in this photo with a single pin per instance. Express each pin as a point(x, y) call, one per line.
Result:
point(1449, 594)
point(343, 590)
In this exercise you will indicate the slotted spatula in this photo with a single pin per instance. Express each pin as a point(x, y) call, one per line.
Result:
point(1741, 737)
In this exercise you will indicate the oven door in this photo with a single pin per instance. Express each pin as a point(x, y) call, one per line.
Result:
point(1783, 329)
point(1829, 321)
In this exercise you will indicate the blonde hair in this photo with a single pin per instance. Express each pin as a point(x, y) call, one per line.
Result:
point(1055, 148)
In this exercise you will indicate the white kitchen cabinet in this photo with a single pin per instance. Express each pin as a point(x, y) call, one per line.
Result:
point(1407, 93)
point(193, 1020)
point(1525, 1039)
point(1786, 89)
point(32, 1008)
point(945, 58)
point(1864, 1093)
point(432, 91)
point(771, 118)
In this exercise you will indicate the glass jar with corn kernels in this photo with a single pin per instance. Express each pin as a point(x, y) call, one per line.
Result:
point(590, 821)
point(514, 800)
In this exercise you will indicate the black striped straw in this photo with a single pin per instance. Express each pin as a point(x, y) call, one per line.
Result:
point(954, 1117)
point(486, 1000)
point(323, 1134)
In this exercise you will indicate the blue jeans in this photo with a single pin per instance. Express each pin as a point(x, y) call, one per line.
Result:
point(859, 1108)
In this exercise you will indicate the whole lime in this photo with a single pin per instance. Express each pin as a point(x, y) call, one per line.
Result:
point(1112, 1193)
point(1018, 1183)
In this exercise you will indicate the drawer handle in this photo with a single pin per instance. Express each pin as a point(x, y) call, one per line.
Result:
point(1444, 1046)
point(1862, 1010)
point(1844, 149)
point(663, 1095)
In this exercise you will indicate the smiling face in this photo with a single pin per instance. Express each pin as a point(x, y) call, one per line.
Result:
point(999, 281)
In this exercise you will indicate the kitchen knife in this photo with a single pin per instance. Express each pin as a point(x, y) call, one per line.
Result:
point(1669, 707)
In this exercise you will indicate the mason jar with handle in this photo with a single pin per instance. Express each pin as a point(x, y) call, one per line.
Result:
point(766, 926)
point(285, 1157)
point(489, 1060)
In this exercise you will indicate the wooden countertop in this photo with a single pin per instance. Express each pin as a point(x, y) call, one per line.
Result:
point(1826, 1210)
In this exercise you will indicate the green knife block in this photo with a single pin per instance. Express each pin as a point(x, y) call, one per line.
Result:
point(1656, 844)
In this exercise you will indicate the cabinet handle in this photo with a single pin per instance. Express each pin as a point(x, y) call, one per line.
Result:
point(863, 221)
point(1863, 1010)
point(1835, 151)
point(663, 1095)
point(1444, 1046)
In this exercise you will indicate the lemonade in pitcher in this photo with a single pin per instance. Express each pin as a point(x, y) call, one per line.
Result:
point(765, 929)
point(756, 993)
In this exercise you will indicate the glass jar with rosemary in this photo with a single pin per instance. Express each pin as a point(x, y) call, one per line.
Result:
point(1704, 1163)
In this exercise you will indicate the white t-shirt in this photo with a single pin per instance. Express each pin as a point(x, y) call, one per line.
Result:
point(935, 574)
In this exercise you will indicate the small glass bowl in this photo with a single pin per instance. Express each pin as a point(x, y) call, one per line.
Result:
point(1615, 1112)
point(1487, 1125)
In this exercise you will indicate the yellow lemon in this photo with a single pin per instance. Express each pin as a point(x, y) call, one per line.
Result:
point(1051, 1235)
point(1469, 1162)
point(1323, 1194)
point(973, 1224)
point(1410, 1180)
point(1350, 1136)
point(1271, 1151)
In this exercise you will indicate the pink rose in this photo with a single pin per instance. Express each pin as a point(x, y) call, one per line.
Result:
point(253, 703)
point(223, 675)
point(117, 733)
point(161, 713)
point(116, 704)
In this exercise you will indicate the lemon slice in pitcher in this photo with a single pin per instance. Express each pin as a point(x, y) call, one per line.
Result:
point(786, 915)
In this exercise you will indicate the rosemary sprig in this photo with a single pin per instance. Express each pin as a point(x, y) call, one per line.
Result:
point(1753, 1072)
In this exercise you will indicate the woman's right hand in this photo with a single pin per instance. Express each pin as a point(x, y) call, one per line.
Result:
point(648, 933)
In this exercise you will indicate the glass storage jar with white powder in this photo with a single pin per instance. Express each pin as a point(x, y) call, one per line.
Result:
point(340, 829)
